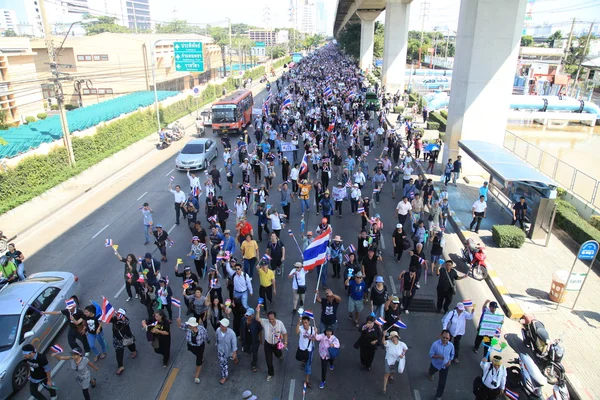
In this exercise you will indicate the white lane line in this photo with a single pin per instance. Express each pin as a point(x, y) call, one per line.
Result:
point(145, 193)
point(52, 373)
point(169, 172)
point(392, 284)
point(292, 389)
point(417, 395)
point(99, 232)
point(120, 291)
point(173, 227)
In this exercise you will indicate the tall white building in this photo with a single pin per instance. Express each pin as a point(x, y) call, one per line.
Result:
point(307, 17)
point(8, 20)
point(321, 17)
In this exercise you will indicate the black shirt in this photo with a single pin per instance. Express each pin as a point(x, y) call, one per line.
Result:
point(370, 265)
point(93, 325)
point(275, 249)
point(14, 255)
point(520, 210)
point(38, 366)
point(447, 279)
point(77, 314)
point(378, 298)
point(457, 166)
point(201, 233)
point(398, 237)
point(328, 311)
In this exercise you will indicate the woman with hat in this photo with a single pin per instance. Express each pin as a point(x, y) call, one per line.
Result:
point(226, 348)
point(122, 337)
point(379, 296)
point(196, 337)
point(336, 249)
point(493, 379)
point(158, 332)
point(198, 253)
point(163, 296)
point(79, 364)
point(395, 350)
point(130, 274)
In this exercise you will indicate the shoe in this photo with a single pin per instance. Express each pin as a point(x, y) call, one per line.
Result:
point(164, 366)
point(418, 286)
point(269, 377)
point(322, 385)
point(177, 223)
point(137, 296)
point(128, 299)
point(145, 243)
point(331, 367)
point(406, 312)
point(430, 377)
point(401, 307)
point(475, 350)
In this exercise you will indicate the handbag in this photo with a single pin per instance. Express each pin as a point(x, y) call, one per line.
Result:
point(126, 341)
point(478, 382)
point(302, 355)
point(334, 352)
point(301, 288)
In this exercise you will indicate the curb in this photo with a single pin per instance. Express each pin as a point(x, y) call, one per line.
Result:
point(509, 304)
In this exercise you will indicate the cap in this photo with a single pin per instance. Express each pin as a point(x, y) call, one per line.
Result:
point(187, 268)
point(162, 280)
point(493, 304)
point(460, 306)
point(356, 185)
point(249, 312)
point(337, 238)
point(77, 350)
point(379, 279)
point(247, 395)
point(398, 226)
point(227, 231)
point(394, 334)
point(195, 238)
point(158, 225)
point(192, 321)
point(497, 360)
point(298, 264)
point(395, 300)
point(359, 274)
point(121, 311)
point(224, 322)
point(148, 256)
point(28, 348)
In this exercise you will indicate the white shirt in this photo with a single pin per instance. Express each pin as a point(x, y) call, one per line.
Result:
point(305, 342)
point(479, 206)
point(299, 279)
point(403, 208)
point(355, 193)
point(394, 351)
point(275, 222)
point(242, 282)
point(240, 209)
point(273, 334)
point(178, 196)
point(359, 178)
point(407, 173)
point(294, 174)
point(226, 156)
point(493, 375)
point(194, 180)
point(459, 321)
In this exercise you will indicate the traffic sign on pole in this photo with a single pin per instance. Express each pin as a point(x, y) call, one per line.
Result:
point(588, 250)
point(189, 56)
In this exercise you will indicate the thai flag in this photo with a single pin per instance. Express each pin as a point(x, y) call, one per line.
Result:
point(327, 92)
point(172, 178)
point(188, 281)
point(331, 126)
point(213, 282)
point(349, 184)
point(360, 210)
point(511, 395)
point(467, 303)
point(265, 109)
point(304, 165)
point(400, 324)
point(108, 243)
point(356, 126)
point(286, 103)
point(196, 192)
point(268, 99)
point(315, 253)
point(346, 257)
point(57, 349)
point(175, 302)
point(107, 311)
point(308, 314)
point(422, 261)
point(70, 303)
point(213, 219)
point(290, 232)
point(202, 246)
point(498, 332)
point(267, 257)
point(380, 321)
point(352, 249)
point(140, 260)
point(304, 390)
point(351, 95)
point(254, 190)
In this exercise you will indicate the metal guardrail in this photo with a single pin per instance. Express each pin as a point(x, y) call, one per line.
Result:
point(568, 177)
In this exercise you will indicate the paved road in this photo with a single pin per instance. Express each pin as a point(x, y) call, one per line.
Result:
point(114, 214)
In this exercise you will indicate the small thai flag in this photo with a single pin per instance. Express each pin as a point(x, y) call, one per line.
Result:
point(172, 178)
point(229, 211)
point(304, 389)
point(141, 208)
point(213, 283)
point(380, 321)
point(175, 302)
point(385, 149)
point(467, 303)
point(346, 257)
point(511, 395)
point(213, 219)
point(196, 192)
point(422, 261)
point(498, 332)
point(366, 153)
point(290, 232)
point(108, 243)
point(351, 249)
point(70, 303)
point(400, 324)
point(255, 190)
point(57, 349)
point(202, 246)
point(171, 243)
point(188, 281)
point(267, 257)
point(22, 303)
point(308, 314)
point(360, 210)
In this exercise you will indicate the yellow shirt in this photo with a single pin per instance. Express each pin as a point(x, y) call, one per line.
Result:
point(304, 191)
point(266, 278)
point(249, 249)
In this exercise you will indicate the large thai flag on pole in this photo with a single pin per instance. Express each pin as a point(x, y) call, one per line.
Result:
point(304, 165)
point(286, 103)
point(316, 252)
point(328, 92)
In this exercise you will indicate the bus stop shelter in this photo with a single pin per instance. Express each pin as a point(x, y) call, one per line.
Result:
point(512, 178)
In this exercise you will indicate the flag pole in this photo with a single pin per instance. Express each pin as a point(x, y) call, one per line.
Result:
point(318, 281)
point(295, 241)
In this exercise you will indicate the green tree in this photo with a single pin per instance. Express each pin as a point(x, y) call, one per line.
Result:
point(526, 40)
point(574, 55)
point(104, 24)
point(221, 37)
point(241, 28)
point(178, 26)
point(378, 40)
point(349, 40)
point(552, 39)
point(10, 33)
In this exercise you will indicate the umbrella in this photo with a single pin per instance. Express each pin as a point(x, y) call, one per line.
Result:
point(432, 147)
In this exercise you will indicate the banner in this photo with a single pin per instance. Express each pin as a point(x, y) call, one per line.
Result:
point(489, 323)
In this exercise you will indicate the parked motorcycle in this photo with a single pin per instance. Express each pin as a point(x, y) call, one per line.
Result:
point(526, 377)
point(474, 256)
point(549, 353)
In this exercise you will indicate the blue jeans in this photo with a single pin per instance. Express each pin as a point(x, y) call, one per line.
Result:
point(146, 233)
point(379, 310)
point(92, 342)
point(305, 204)
point(249, 266)
point(323, 327)
point(243, 296)
point(308, 364)
point(21, 271)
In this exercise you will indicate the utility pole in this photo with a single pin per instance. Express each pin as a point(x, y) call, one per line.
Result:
point(230, 68)
point(425, 14)
point(568, 48)
point(60, 98)
point(583, 53)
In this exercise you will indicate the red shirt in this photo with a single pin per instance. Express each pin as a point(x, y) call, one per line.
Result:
point(245, 229)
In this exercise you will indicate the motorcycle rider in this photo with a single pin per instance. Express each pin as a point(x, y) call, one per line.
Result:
point(8, 270)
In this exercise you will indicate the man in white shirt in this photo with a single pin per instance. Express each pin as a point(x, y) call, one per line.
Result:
point(493, 377)
point(455, 321)
point(359, 177)
point(478, 211)
point(355, 196)
point(298, 277)
point(275, 218)
point(274, 333)
point(403, 209)
point(240, 208)
point(407, 172)
point(179, 198)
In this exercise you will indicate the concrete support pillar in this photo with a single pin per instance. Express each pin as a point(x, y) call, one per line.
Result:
point(487, 49)
point(395, 44)
point(367, 37)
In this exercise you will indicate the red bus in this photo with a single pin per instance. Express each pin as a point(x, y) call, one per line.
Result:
point(232, 113)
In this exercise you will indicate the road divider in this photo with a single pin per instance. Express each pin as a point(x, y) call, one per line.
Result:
point(99, 232)
point(145, 193)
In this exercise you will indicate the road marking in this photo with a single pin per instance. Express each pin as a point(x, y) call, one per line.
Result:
point(169, 172)
point(52, 373)
point(99, 232)
point(173, 227)
point(417, 395)
point(145, 193)
point(292, 389)
point(120, 291)
point(164, 394)
point(393, 284)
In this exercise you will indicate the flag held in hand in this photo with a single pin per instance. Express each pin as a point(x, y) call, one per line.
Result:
point(57, 349)
point(467, 303)
point(400, 324)
point(108, 243)
point(308, 314)
point(175, 302)
point(107, 311)
point(380, 321)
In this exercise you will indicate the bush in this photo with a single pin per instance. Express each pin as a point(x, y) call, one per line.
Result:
point(595, 221)
point(42, 116)
point(279, 63)
point(398, 109)
point(408, 118)
point(437, 117)
point(443, 136)
point(414, 97)
point(29, 118)
point(433, 125)
point(571, 222)
point(70, 107)
point(54, 107)
point(560, 192)
point(508, 236)
point(444, 113)
point(410, 104)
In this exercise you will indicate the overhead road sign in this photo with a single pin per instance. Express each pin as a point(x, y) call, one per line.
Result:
point(189, 56)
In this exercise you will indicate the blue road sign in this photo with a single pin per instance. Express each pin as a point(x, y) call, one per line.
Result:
point(196, 90)
point(379, 63)
point(188, 56)
point(588, 250)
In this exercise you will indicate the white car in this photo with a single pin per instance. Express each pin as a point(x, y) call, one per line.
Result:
point(197, 154)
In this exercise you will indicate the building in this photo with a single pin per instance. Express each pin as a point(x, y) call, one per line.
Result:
point(283, 36)
point(268, 37)
point(133, 14)
point(20, 90)
point(307, 17)
point(8, 20)
point(108, 65)
point(321, 10)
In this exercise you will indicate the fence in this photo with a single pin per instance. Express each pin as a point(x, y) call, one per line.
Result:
point(567, 176)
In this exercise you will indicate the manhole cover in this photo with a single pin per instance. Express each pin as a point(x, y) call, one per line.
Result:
point(422, 305)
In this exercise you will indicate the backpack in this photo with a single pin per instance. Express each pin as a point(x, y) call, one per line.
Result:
point(405, 243)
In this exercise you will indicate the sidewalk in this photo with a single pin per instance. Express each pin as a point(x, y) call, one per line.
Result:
point(21, 219)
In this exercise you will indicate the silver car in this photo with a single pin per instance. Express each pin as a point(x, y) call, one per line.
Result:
point(19, 325)
point(197, 154)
